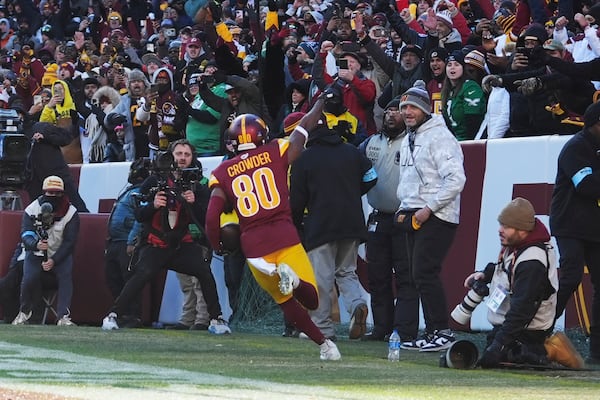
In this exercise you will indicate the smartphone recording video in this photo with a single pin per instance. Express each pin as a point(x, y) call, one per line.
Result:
point(342, 63)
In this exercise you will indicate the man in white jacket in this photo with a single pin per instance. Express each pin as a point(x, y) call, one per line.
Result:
point(432, 177)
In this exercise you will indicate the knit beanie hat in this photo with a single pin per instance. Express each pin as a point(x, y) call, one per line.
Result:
point(445, 17)
point(291, 122)
point(438, 52)
point(67, 66)
point(310, 48)
point(395, 102)
point(137, 75)
point(518, 214)
point(417, 96)
point(458, 56)
point(476, 59)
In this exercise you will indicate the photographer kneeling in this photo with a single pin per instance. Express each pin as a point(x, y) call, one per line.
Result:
point(170, 203)
point(522, 294)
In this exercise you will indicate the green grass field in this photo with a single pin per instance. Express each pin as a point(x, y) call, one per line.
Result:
point(87, 363)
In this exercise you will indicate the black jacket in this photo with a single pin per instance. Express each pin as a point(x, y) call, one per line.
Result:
point(575, 209)
point(327, 181)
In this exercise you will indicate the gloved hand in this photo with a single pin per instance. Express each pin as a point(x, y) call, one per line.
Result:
point(216, 11)
point(490, 81)
point(528, 86)
point(492, 356)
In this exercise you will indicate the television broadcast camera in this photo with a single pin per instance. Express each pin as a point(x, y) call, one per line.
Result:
point(462, 312)
point(42, 222)
point(171, 180)
point(14, 147)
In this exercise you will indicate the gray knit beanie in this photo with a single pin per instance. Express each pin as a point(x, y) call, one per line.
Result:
point(137, 75)
point(418, 97)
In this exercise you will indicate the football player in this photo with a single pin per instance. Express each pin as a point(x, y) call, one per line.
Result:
point(254, 183)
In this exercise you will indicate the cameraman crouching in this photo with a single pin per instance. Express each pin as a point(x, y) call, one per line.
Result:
point(522, 299)
point(49, 232)
point(168, 243)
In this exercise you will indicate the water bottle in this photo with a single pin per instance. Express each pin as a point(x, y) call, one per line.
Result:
point(394, 347)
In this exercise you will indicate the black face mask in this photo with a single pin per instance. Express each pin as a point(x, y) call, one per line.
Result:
point(163, 88)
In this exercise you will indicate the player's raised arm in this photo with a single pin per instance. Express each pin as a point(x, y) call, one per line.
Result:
point(300, 133)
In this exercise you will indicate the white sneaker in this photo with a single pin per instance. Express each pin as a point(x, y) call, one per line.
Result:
point(441, 341)
point(418, 343)
point(329, 351)
point(219, 327)
point(66, 321)
point(288, 280)
point(21, 318)
point(109, 322)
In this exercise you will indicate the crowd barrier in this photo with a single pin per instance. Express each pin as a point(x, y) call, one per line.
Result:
point(496, 170)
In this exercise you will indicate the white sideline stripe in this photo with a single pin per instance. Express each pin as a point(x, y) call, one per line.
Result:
point(91, 378)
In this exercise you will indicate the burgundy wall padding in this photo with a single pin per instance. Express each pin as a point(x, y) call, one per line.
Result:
point(461, 257)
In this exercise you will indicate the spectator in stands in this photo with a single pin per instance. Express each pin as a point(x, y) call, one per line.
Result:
point(46, 158)
point(358, 92)
point(386, 249)
point(168, 242)
point(296, 100)
point(193, 58)
point(105, 100)
point(124, 234)
point(268, 237)
point(135, 130)
point(161, 108)
point(574, 217)
point(327, 181)
point(60, 111)
point(525, 294)
point(202, 128)
point(49, 235)
point(437, 71)
point(430, 157)
point(463, 101)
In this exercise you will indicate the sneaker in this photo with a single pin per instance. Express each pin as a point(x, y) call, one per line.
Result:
point(109, 322)
point(418, 343)
point(219, 327)
point(199, 327)
point(21, 318)
point(65, 321)
point(290, 332)
point(441, 341)
point(178, 327)
point(329, 351)
point(358, 322)
point(374, 336)
point(561, 350)
point(288, 280)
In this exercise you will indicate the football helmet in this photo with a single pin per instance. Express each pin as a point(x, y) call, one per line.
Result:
point(247, 131)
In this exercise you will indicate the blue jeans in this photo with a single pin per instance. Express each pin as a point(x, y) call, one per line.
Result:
point(31, 285)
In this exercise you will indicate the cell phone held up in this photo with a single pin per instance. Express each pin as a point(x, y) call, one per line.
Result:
point(342, 63)
point(524, 51)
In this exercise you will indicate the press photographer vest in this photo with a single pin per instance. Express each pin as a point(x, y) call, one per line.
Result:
point(55, 232)
point(544, 317)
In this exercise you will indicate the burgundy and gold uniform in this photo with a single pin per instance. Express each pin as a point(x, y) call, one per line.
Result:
point(255, 184)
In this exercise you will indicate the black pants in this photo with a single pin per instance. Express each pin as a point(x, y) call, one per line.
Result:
point(386, 255)
point(10, 292)
point(234, 265)
point(574, 255)
point(526, 348)
point(118, 268)
point(188, 259)
point(426, 250)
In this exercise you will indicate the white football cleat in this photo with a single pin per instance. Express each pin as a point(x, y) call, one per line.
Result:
point(109, 322)
point(329, 351)
point(288, 280)
point(219, 327)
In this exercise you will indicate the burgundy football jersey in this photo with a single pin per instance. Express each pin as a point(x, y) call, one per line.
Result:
point(256, 184)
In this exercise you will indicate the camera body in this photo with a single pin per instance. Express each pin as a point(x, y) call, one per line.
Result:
point(182, 179)
point(462, 312)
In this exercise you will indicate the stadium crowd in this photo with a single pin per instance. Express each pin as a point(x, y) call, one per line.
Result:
point(128, 79)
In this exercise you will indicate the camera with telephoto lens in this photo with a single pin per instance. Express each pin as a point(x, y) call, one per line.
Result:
point(43, 222)
point(462, 312)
